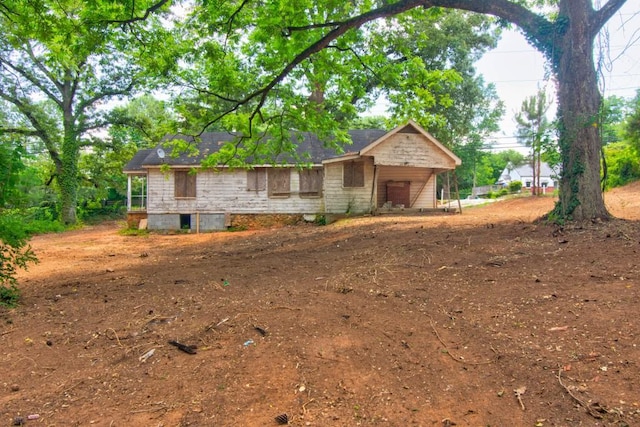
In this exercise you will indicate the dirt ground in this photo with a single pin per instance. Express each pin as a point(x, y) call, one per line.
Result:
point(481, 319)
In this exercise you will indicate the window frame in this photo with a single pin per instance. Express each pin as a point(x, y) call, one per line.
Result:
point(311, 182)
point(353, 174)
point(279, 183)
point(184, 184)
point(257, 179)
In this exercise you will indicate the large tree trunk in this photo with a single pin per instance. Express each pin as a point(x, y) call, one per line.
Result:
point(68, 179)
point(578, 106)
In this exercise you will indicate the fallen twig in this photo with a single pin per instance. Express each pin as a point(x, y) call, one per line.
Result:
point(190, 349)
point(585, 405)
point(7, 332)
point(284, 307)
point(163, 407)
point(304, 406)
point(68, 389)
point(454, 357)
point(114, 333)
point(211, 326)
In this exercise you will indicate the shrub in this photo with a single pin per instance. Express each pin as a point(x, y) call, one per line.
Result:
point(515, 186)
point(14, 254)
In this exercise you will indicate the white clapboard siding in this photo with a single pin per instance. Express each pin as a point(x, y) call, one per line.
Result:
point(411, 149)
point(225, 192)
point(422, 182)
point(339, 199)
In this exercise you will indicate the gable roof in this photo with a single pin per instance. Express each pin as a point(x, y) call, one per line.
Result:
point(527, 170)
point(135, 164)
point(409, 127)
point(413, 127)
point(307, 143)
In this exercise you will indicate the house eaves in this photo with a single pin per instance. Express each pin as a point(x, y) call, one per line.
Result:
point(309, 149)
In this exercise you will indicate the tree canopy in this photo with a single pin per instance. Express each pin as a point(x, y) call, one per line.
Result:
point(300, 62)
point(60, 63)
point(265, 68)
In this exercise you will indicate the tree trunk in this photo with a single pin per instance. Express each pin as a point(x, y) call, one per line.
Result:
point(579, 101)
point(68, 179)
point(533, 172)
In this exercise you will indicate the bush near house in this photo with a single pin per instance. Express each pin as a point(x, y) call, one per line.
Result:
point(515, 186)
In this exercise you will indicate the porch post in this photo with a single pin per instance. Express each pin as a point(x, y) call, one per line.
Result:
point(373, 203)
point(128, 192)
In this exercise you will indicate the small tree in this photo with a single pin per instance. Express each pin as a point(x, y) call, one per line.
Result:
point(515, 186)
point(14, 254)
point(534, 130)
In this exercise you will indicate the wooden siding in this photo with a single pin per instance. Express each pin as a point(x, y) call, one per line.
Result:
point(339, 199)
point(225, 192)
point(404, 149)
point(423, 185)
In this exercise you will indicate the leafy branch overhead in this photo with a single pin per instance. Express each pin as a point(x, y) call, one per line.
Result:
point(309, 75)
point(294, 64)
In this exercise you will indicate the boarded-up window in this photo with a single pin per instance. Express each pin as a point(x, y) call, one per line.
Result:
point(185, 184)
point(279, 182)
point(311, 182)
point(353, 174)
point(256, 179)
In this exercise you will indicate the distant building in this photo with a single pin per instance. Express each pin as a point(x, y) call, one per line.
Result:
point(524, 173)
point(382, 170)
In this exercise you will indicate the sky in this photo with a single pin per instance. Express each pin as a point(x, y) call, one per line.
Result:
point(518, 70)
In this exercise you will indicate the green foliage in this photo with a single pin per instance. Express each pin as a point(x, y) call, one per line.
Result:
point(534, 128)
point(612, 117)
point(128, 231)
point(421, 61)
point(320, 220)
point(60, 61)
point(448, 98)
point(497, 194)
point(515, 186)
point(623, 164)
point(369, 122)
point(631, 127)
point(14, 254)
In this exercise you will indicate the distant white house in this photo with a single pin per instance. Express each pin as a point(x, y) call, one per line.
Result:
point(524, 173)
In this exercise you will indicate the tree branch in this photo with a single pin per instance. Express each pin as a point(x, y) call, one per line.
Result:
point(4, 10)
point(531, 23)
point(41, 67)
point(214, 94)
point(604, 14)
point(229, 22)
point(19, 131)
point(82, 105)
point(289, 30)
point(322, 43)
point(133, 19)
point(39, 130)
point(24, 73)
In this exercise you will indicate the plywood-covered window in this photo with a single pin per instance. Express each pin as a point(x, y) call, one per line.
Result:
point(353, 174)
point(311, 182)
point(279, 182)
point(257, 179)
point(185, 184)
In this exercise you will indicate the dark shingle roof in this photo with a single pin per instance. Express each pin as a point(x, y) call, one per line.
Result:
point(307, 143)
point(135, 164)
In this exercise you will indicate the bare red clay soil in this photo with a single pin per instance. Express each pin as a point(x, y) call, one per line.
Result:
point(487, 318)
